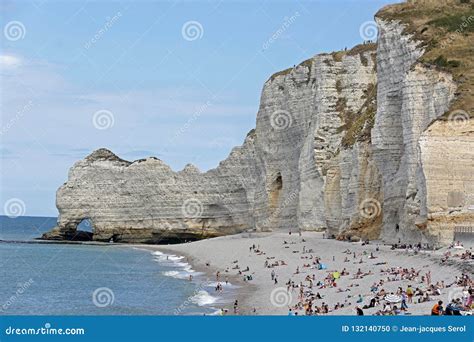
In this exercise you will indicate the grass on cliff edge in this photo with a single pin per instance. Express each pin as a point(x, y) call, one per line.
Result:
point(446, 30)
point(360, 49)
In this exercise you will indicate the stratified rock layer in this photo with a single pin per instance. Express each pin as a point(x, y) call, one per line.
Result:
point(351, 142)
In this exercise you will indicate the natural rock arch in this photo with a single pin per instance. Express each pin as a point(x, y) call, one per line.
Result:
point(69, 231)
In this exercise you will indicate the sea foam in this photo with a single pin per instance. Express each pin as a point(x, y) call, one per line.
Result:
point(202, 298)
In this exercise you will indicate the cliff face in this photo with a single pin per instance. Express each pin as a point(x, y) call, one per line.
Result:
point(410, 98)
point(353, 142)
point(303, 117)
point(145, 201)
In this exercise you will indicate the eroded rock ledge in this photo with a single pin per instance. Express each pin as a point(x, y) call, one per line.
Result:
point(354, 142)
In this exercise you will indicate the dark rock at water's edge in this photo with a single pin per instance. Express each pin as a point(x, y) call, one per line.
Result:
point(71, 235)
point(144, 236)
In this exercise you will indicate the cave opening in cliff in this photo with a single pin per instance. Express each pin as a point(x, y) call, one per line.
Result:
point(84, 231)
point(274, 195)
point(85, 225)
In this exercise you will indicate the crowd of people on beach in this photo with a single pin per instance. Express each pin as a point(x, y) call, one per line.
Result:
point(384, 302)
point(316, 276)
point(464, 255)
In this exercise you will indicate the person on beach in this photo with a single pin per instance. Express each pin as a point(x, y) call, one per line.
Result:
point(404, 305)
point(454, 308)
point(410, 293)
point(437, 309)
point(428, 278)
point(396, 311)
point(359, 311)
point(236, 306)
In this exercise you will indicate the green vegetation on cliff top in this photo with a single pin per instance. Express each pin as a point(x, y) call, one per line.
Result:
point(446, 30)
point(337, 56)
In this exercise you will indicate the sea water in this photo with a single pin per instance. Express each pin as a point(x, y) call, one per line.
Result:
point(108, 279)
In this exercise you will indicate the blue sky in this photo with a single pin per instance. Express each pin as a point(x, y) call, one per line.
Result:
point(159, 89)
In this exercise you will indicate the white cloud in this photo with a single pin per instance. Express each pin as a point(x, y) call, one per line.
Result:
point(9, 61)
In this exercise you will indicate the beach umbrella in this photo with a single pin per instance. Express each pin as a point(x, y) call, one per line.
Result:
point(391, 298)
point(336, 275)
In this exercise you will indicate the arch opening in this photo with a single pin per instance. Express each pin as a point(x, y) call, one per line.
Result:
point(274, 198)
point(84, 231)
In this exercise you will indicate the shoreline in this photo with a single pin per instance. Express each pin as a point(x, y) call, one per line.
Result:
point(261, 293)
point(240, 291)
point(293, 256)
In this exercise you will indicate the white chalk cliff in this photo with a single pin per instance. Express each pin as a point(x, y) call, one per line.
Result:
point(354, 142)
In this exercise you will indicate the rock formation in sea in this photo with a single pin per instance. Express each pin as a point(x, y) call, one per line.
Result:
point(375, 142)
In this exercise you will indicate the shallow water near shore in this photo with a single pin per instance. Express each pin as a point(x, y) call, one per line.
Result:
point(55, 279)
